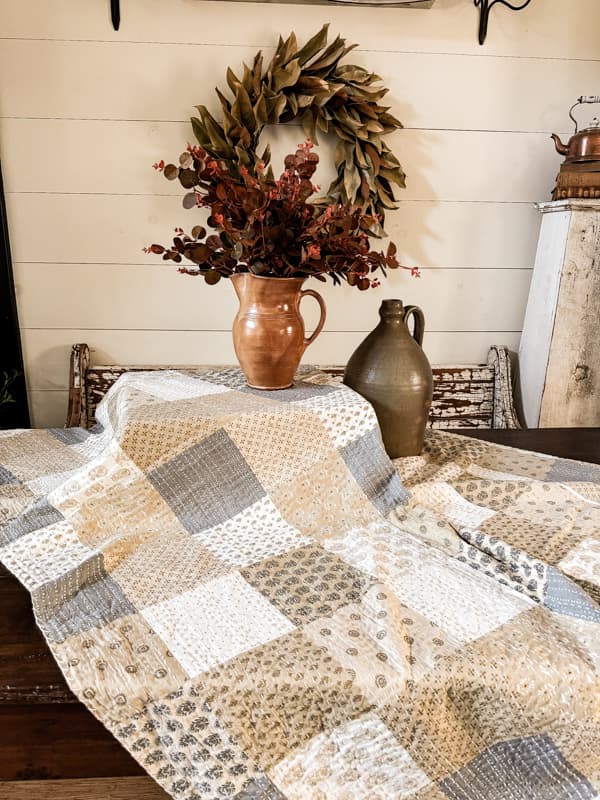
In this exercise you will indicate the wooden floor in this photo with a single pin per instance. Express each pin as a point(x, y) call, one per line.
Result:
point(52, 748)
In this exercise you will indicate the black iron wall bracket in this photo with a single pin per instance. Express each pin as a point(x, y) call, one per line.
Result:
point(115, 14)
point(485, 6)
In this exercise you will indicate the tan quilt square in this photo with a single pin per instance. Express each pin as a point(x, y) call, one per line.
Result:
point(117, 668)
point(151, 568)
point(336, 502)
point(110, 496)
point(36, 452)
point(296, 434)
point(276, 697)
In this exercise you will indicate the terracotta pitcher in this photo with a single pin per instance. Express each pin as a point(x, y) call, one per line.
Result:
point(268, 330)
point(392, 372)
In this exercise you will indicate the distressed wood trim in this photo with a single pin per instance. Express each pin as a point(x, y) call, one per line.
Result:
point(77, 411)
point(87, 789)
point(504, 412)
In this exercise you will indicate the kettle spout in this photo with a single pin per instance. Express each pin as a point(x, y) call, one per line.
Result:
point(560, 147)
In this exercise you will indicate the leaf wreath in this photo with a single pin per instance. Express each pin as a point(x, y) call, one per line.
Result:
point(309, 85)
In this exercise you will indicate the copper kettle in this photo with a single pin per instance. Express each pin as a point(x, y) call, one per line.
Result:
point(584, 145)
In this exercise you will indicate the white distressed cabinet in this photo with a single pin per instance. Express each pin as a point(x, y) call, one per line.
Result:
point(559, 355)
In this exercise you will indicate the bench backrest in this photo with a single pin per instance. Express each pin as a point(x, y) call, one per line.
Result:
point(472, 396)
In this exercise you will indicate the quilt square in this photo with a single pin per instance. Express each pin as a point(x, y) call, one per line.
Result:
point(254, 534)
point(7, 477)
point(531, 768)
point(224, 484)
point(39, 515)
point(280, 695)
point(45, 554)
point(375, 474)
point(361, 760)
point(181, 742)
point(154, 567)
point(70, 436)
point(84, 598)
point(215, 622)
point(308, 583)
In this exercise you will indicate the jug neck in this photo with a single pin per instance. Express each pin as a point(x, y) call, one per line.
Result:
point(392, 312)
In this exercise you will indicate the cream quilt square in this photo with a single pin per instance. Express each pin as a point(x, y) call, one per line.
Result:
point(215, 622)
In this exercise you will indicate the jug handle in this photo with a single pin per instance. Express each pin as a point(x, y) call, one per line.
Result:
point(321, 322)
point(419, 320)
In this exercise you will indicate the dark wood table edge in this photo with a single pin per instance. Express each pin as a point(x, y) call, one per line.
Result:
point(579, 444)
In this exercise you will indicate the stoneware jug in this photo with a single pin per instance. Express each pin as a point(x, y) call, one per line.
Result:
point(268, 330)
point(392, 372)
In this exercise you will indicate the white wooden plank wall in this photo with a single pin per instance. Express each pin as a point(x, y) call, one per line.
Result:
point(85, 111)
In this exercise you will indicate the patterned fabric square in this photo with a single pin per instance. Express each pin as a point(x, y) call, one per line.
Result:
point(112, 497)
point(583, 562)
point(520, 769)
point(361, 759)
point(81, 599)
point(565, 470)
point(223, 484)
point(151, 446)
point(458, 511)
point(120, 667)
point(364, 640)
point(367, 461)
point(46, 554)
point(307, 583)
point(70, 435)
point(39, 515)
point(215, 622)
point(336, 504)
point(254, 534)
point(7, 477)
point(344, 414)
point(184, 746)
point(33, 453)
point(136, 561)
point(565, 597)
point(276, 697)
point(287, 431)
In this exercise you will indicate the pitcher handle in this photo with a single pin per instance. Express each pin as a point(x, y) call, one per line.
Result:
point(321, 322)
point(419, 320)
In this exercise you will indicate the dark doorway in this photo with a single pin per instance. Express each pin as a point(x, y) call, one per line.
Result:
point(13, 396)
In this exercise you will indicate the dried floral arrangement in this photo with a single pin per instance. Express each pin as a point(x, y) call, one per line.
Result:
point(269, 227)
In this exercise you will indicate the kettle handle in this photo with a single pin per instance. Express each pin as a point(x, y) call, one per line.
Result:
point(590, 98)
point(419, 320)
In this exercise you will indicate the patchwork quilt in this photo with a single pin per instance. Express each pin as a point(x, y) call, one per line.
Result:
point(260, 605)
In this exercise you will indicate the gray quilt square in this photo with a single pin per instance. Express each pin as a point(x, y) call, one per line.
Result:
point(207, 484)
point(37, 516)
point(7, 477)
point(532, 768)
point(374, 472)
point(260, 788)
point(565, 470)
point(70, 435)
point(566, 597)
point(82, 599)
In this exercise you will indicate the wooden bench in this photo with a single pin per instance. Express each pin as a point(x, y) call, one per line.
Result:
point(471, 396)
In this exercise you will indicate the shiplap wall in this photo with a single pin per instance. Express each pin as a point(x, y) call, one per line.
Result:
point(85, 111)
